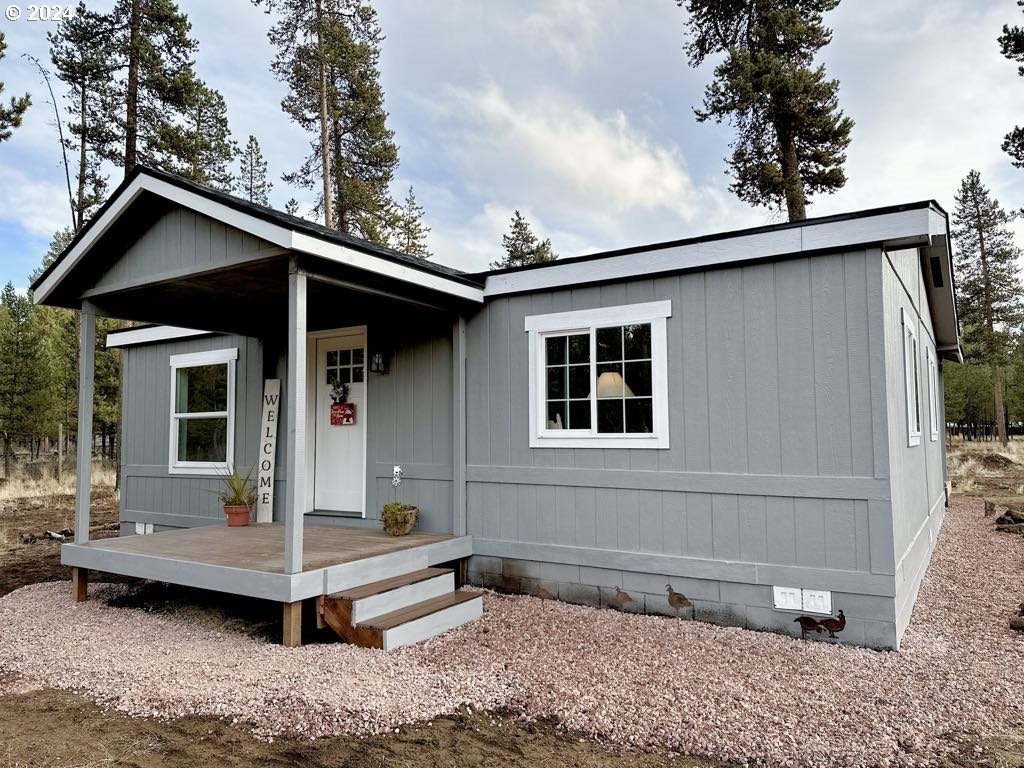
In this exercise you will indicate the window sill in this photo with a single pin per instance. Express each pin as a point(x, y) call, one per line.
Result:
point(629, 443)
point(204, 470)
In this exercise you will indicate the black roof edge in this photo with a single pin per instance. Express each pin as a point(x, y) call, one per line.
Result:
point(270, 215)
point(868, 212)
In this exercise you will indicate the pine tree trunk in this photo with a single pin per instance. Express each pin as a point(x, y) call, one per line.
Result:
point(325, 151)
point(997, 394)
point(131, 123)
point(793, 185)
point(82, 160)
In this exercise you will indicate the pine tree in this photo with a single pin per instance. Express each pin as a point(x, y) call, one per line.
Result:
point(153, 45)
point(791, 135)
point(989, 300)
point(198, 146)
point(24, 379)
point(252, 180)
point(1011, 44)
point(328, 52)
point(11, 116)
point(81, 51)
point(410, 232)
point(292, 207)
point(522, 246)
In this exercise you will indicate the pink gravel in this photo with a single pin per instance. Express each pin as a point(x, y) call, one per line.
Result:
point(642, 681)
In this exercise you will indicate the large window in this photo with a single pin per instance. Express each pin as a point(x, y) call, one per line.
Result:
point(933, 395)
point(599, 377)
point(912, 377)
point(202, 425)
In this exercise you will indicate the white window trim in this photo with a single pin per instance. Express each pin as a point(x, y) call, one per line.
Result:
point(933, 395)
point(538, 326)
point(191, 360)
point(909, 365)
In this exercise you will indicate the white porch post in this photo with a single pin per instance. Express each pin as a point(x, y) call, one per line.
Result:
point(86, 373)
point(295, 507)
point(459, 426)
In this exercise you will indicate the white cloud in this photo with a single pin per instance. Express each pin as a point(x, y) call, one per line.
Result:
point(562, 150)
point(567, 27)
point(38, 207)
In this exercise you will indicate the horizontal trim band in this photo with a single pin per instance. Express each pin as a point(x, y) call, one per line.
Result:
point(855, 582)
point(169, 520)
point(385, 470)
point(796, 486)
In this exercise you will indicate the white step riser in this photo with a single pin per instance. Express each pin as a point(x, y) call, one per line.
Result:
point(402, 597)
point(434, 624)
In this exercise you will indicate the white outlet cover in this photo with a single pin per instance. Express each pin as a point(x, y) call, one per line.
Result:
point(788, 598)
point(817, 601)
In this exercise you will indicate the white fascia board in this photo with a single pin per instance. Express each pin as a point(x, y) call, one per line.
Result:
point(908, 225)
point(129, 338)
point(281, 236)
point(341, 254)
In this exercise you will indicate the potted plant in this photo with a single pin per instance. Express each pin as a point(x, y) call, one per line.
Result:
point(398, 518)
point(238, 497)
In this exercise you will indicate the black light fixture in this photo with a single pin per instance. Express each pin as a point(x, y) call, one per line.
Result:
point(378, 362)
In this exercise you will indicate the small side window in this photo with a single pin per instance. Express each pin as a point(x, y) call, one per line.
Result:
point(934, 405)
point(912, 376)
point(202, 425)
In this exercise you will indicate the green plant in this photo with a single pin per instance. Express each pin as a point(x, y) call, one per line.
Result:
point(239, 491)
point(398, 518)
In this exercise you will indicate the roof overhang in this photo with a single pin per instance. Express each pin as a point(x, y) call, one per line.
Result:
point(898, 226)
point(273, 231)
point(923, 225)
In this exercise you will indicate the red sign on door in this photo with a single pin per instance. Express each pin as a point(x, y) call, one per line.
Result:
point(343, 414)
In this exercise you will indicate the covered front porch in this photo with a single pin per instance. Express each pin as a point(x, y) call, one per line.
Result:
point(174, 254)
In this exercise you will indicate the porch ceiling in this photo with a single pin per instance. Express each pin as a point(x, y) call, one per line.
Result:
point(252, 299)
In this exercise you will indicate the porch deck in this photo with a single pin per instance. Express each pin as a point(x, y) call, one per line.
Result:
point(250, 560)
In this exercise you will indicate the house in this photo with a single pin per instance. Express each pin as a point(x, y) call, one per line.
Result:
point(753, 417)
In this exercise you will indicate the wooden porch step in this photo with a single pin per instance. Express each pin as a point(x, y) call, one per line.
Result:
point(418, 611)
point(386, 585)
point(404, 626)
point(427, 619)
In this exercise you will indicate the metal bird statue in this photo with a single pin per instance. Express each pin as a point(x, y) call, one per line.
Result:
point(837, 624)
point(808, 624)
point(543, 594)
point(677, 599)
point(622, 599)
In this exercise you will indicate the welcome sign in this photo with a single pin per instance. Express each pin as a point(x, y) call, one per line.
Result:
point(268, 451)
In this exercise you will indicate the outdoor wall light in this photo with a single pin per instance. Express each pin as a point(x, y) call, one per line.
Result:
point(378, 363)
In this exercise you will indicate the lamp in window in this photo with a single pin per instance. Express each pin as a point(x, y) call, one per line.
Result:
point(379, 362)
point(610, 384)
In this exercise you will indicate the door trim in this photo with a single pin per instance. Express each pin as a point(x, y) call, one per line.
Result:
point(311, 381)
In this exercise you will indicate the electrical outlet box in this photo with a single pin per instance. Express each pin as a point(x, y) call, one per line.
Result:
point(817, 601)
point(788, 598)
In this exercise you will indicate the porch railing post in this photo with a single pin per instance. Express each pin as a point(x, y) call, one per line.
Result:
point(86, 375)
point(459, 426)
point(295, 506)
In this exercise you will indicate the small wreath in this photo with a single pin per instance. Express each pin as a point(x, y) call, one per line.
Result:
point(339, 392)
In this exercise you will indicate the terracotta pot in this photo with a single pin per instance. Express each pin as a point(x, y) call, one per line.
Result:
point(237, 514)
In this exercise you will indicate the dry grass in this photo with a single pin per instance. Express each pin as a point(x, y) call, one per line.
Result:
point(20, 487)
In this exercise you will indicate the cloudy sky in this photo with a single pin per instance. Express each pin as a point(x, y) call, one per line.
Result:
point(579, 113)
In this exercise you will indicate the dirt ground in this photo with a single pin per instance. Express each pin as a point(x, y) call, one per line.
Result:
point(48, 728)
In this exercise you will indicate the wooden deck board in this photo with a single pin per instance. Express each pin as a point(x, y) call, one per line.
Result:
point(261, 547)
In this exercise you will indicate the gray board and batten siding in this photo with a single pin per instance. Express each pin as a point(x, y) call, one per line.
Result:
point(409, 423)
point(778, 467)
point(918, 473)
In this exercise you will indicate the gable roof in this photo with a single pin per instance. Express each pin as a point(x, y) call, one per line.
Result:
point(279, 228)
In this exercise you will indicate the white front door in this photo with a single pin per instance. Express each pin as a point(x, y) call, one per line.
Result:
point(339, 448)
